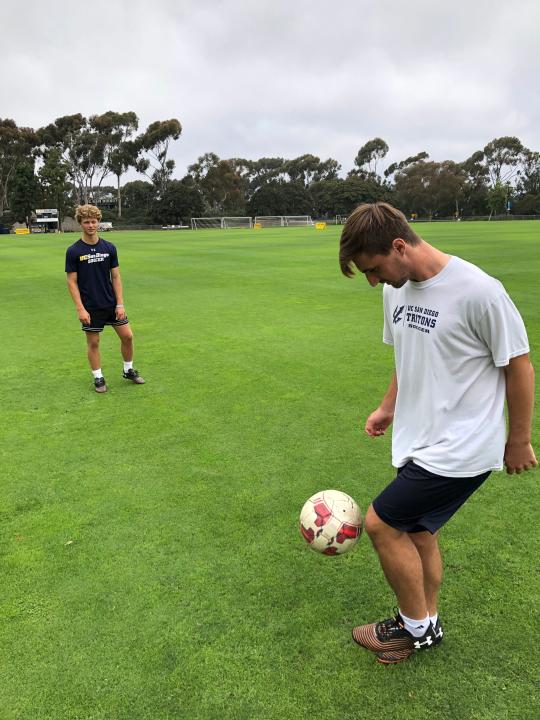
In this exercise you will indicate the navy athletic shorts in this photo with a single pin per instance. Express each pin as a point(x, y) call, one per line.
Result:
point(418, 500)
point(102, 317)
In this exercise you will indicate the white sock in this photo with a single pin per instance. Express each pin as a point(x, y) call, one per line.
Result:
point(434, 619)
point(97, 373)
point(417, 628)
point(128, 365)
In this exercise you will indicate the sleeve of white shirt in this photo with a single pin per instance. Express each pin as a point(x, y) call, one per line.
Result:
point(388, 336)
point(502, 328)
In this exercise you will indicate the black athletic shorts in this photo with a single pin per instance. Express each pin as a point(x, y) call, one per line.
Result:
point(418, 500)
point(102, 317)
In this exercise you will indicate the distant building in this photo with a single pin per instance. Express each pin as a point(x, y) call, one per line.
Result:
point(103, 198)
point(46, 220)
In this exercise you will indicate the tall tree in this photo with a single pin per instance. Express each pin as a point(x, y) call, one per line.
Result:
point(368, 158)
point(24, 194)
point(153, 144)
point(138, 197)
point(221, 187)
point(502, 158)
point(497, 198)
point(475, 190)
point(266, 168)
point(399, 166)
point(55, 186)
point(69, 134)
point(181, 200)
point(431, 188)
point(309, 168)
point(17, 144)
point(529, 180)
point(269, 198)
point(119, 153)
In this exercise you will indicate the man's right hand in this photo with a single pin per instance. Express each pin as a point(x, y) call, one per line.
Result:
point(84, 316)
point(378, 421)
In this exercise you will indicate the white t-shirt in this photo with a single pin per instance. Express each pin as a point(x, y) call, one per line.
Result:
point(452, 336)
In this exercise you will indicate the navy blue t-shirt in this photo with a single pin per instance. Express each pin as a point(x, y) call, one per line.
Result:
point(93, 265)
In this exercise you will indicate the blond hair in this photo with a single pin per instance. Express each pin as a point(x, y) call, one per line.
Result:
point(85, 212)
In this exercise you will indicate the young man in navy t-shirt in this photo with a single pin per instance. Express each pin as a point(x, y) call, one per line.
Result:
point(94, 283)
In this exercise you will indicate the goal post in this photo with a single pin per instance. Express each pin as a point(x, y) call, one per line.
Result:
point(222, 223)
point(237, 222)
point(269, 221)
point(297, 220)
point(205, 223)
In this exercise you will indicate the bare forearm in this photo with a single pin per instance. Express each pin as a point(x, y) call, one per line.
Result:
point(520, 401)
point(75, 295)
point(118, 291)
point(518, 453)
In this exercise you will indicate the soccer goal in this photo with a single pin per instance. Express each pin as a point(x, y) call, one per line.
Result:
point(204, 223)
point(295, 220)
point(237, 222)
point(222, 223)
point(269, 221)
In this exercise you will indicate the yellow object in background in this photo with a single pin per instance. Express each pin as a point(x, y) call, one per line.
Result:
point(22, 231)
point(320, 226)
point(257, 226)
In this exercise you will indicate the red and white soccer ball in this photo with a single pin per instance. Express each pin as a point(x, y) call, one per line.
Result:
point(331, 522)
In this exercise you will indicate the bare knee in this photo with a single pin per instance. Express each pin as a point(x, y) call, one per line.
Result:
point(373, 524)
point(92, 340)
point(127, 340)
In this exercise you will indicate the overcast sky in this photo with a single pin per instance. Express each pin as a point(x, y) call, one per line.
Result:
point(282, 77)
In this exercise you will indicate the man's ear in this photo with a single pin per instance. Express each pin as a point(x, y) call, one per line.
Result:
point(399, 245)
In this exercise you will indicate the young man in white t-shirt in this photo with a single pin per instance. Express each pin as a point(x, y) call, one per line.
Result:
point(460, 350)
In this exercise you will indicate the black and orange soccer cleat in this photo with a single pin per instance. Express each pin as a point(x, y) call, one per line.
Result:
point(391, 642)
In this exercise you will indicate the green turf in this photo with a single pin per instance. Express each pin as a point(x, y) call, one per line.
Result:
point(151, 565)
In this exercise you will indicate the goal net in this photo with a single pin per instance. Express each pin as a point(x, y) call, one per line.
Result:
point(293, 220)
point(208, 222)
point(269, 221)
point(222, 223)
point(237, 222)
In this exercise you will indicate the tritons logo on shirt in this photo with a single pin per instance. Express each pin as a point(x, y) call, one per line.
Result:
point(397, 313)
point(93, 257)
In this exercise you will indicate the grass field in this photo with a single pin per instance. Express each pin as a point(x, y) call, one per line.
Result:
point(151, 565)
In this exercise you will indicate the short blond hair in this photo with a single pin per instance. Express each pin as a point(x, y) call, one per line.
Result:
point(85, 212)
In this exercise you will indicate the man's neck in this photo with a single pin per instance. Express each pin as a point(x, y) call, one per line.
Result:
point(427, 262)
point(90, 239)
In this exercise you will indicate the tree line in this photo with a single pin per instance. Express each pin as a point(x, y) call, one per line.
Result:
point(67, 162)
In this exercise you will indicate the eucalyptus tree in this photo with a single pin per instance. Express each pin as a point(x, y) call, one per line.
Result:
point(368, 158)
point(118, 151)
point(53, 177)
point(222, 188)
point(17, 146)
point(153, 147)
